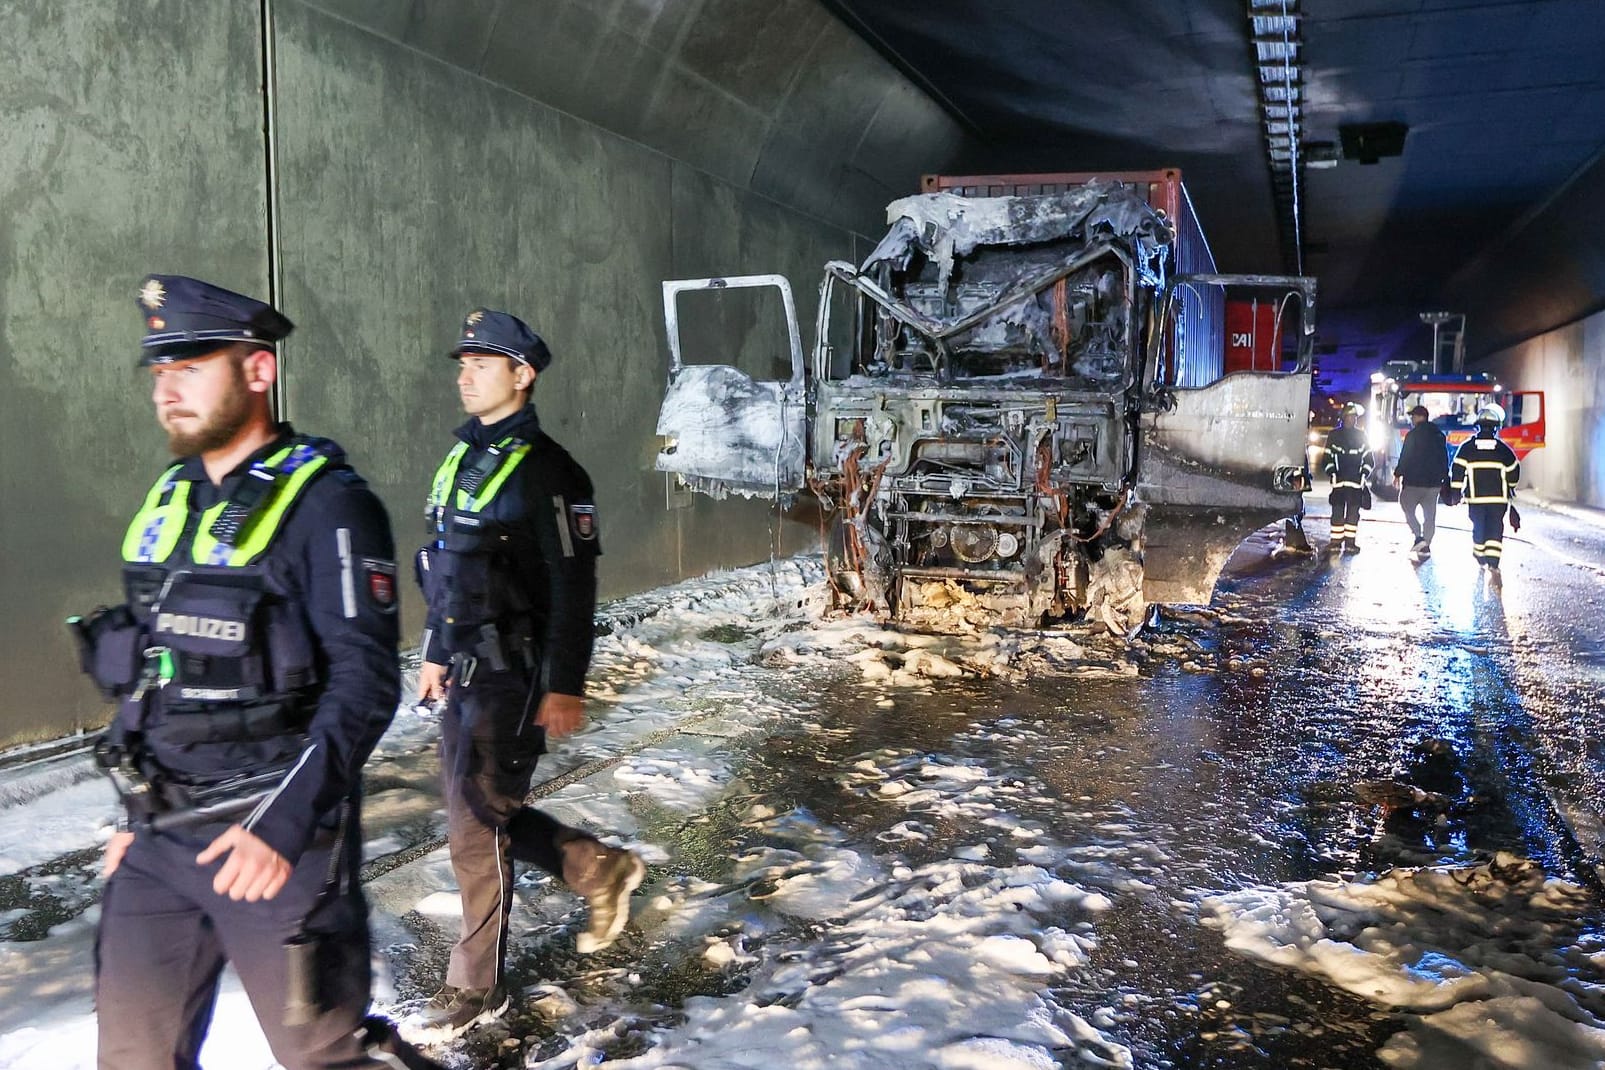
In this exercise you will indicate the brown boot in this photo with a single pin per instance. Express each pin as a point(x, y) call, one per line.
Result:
point(605, 876)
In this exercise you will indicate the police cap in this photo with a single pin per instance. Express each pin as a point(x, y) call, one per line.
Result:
point(488, 331)
point(187, 318)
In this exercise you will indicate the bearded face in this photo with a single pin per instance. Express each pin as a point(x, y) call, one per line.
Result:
point(203, 403)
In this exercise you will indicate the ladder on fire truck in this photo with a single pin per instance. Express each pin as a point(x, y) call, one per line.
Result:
point(1448, 342)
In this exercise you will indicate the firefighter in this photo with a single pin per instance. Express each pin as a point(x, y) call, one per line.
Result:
point(509, 575)
point(1348, 465)
point(254, 662)
point(1486, 471)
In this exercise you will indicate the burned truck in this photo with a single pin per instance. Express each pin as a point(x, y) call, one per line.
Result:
point(1018, 408)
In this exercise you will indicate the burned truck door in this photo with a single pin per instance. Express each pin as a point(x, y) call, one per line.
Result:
point(1221, 460)
point(724, 431)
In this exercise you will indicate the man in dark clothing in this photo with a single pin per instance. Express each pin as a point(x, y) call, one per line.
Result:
point(1348, 464)
point(254, 662)
point(1487, 471)
point(510, 578)
point(1422, 470)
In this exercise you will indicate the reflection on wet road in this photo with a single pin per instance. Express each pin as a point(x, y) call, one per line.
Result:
point(1329, 720)
point(1345, 817)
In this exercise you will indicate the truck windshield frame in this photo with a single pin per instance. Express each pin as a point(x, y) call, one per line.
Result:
point(941, 335)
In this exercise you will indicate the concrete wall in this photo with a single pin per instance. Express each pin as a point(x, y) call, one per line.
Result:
point(555, 159)
point(1568, 364)
point(1546, 270)
point(119, 154)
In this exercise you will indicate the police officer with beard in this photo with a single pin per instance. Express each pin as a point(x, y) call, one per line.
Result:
point(254, 664)
point(509, 574)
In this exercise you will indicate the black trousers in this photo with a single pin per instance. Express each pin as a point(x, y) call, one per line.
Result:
point(1346, 512)
point(489, 745)
point(165, 936)
point(1488, 532)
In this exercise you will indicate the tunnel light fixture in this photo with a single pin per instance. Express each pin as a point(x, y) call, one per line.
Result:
point(1321, 155)
point(1276, 31)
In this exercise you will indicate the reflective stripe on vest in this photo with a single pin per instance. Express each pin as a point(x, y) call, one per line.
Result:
point(510, 452)
point(156, 529)
point(1470, 482)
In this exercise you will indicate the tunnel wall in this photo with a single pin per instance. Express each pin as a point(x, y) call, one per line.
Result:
point(1545, 271)
point(554, 159)
point(124, 148)
point(1533, 300)
point(1568, 365)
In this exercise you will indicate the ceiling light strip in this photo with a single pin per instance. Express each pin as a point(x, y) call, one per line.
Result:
point(1278, 44)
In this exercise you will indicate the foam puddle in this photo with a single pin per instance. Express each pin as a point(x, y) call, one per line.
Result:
point(870, 960)
point(1488, 966)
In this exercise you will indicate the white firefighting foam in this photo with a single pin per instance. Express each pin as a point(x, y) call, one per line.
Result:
point(1480, 960)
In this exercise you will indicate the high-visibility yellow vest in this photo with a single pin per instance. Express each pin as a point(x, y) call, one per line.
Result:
point(235, 531)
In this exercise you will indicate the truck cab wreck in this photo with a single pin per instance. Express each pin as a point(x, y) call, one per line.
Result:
point(1014, 412)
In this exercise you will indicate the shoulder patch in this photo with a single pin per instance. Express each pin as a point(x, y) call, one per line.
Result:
point(582, 519)
point(379, 583)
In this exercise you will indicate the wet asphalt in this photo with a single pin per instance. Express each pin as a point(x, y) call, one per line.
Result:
point(1235, 756)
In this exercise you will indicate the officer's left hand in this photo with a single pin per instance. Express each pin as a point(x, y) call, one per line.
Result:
point(253, 870)
point(560, 714)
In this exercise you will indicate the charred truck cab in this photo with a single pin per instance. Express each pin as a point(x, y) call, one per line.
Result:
point(1015, 410)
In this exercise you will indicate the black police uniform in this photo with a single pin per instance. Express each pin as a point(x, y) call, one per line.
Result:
point(255, 666)
point(1487, 471)
point(1348, 463)
point(509, 575)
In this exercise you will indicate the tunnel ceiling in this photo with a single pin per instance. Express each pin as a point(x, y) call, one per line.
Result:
point(1504, 104)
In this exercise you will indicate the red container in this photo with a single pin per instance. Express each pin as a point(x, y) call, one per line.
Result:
point(1253, 337)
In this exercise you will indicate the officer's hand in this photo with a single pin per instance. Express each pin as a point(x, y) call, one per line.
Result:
point(253, 871)
point(560, 714)
point(431, 681)
point(116, 847)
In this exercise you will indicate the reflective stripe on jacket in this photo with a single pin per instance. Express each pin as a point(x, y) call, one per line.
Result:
point(1485, 469)
point(1348, 458)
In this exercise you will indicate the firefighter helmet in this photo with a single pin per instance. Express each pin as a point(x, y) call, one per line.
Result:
point(1491, 414)
point(1354, 409)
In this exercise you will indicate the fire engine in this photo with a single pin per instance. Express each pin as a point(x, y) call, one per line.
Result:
point(1452, 403)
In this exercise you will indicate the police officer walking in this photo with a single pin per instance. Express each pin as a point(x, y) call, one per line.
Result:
point(1348, 464)
point(1421, 473)
point(509, 575)
point(1487, 471)
point(254, 661)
